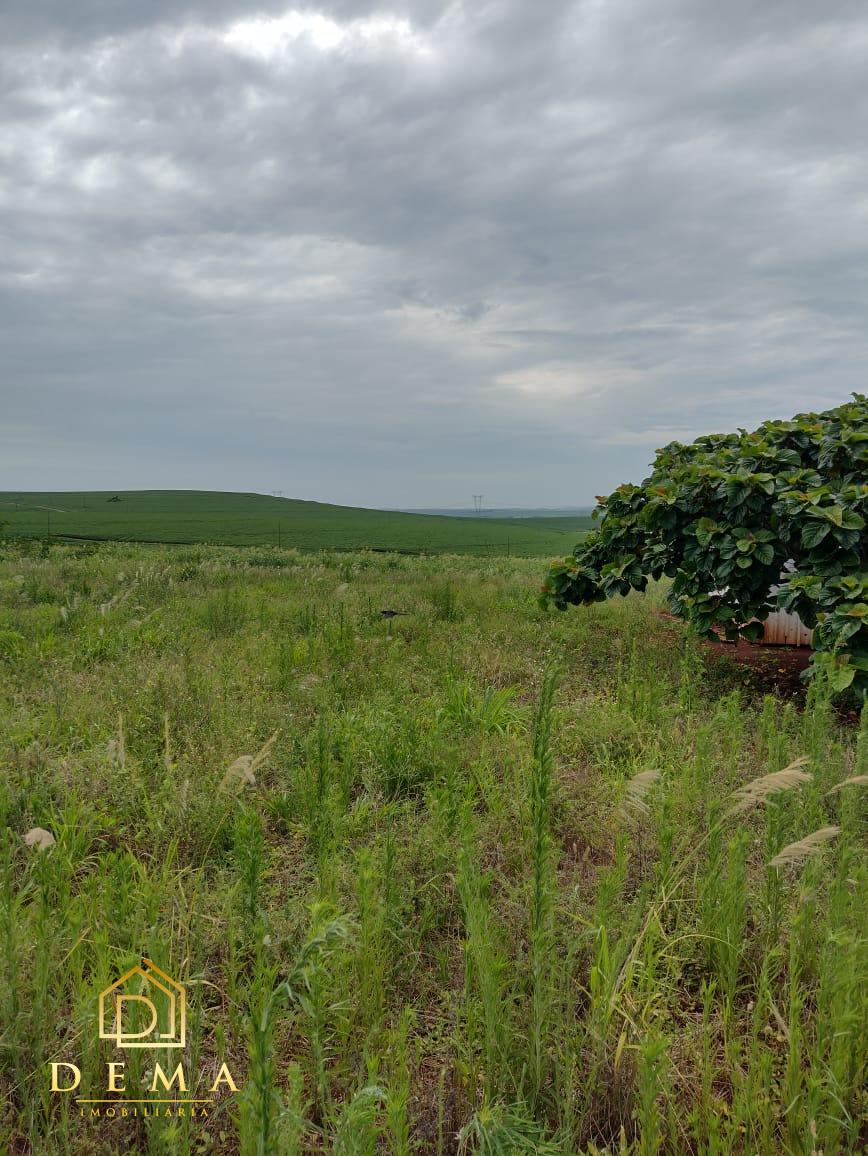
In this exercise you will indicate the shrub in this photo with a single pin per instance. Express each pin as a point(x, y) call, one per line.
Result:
point(744, 524)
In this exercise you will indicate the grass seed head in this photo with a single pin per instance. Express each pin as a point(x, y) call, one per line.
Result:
point(39, 838)
point(242, 773)
point(638, 788)
point(756, 792)
point(853, 781)
point(813, 844)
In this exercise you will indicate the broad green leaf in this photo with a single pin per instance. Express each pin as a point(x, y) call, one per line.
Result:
point(813, 533)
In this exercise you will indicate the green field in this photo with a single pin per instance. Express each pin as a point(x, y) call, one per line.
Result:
point(257, 519)
point(497, 881)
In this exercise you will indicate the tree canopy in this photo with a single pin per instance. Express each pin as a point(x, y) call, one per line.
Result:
point(744, 524)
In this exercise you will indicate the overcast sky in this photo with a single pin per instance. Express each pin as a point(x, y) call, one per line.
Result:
point(401, 254)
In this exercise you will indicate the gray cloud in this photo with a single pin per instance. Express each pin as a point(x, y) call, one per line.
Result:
point(396, 254)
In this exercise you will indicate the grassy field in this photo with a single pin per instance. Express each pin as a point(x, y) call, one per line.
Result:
point(493, 880)
point(259, 519)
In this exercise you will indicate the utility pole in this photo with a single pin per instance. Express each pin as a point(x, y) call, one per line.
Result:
point(278, 534)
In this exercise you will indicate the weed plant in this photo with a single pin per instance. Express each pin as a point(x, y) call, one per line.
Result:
point(480, 879)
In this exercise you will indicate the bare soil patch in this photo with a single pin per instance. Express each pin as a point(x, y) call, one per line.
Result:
point(771, 668)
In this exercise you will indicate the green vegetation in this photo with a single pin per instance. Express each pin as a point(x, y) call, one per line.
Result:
point(191, 516)
point(724, 516)
point(489, 880)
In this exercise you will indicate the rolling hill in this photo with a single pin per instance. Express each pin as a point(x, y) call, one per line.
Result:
point(188, 516)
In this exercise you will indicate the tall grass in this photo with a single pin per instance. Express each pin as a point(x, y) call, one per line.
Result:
point(541, 931)
point(493, 881)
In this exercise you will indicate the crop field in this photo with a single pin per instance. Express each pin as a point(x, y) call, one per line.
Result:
point(473, 878)
point(191, 516)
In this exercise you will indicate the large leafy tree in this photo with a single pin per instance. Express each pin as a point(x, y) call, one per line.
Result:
point(744, 524)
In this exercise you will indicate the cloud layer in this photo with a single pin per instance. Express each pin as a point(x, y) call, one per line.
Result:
point(398, 255)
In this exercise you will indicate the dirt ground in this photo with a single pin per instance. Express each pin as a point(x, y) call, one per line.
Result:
point(771, 668)
point(764, 669)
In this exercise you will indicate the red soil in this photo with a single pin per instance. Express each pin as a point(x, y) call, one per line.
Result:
point(774, 669)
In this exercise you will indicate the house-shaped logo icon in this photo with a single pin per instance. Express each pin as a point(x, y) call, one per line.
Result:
point(145, 1008)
